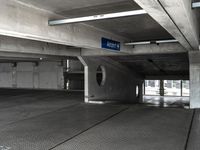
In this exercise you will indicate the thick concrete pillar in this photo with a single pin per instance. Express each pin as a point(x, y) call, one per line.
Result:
point(194, 79)
point(14, 75)
point(181, 88)
point(36, 76)
point(140, 96)
point(162, 89)
point(60, 77)
point(118, 82)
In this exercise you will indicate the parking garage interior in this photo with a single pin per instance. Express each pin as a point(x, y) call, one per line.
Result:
point(99, 75)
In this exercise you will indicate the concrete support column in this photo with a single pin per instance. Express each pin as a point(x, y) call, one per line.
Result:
point(35, 76)
point(141, 86)
point(162, 89)
point(118, 82)
point(144, 88)
point(14, 75)
point(194, 79)
point(86, 79)
point(181, 88)
point(60, 76)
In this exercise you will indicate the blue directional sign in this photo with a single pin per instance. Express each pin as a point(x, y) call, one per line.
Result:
point(110, 44)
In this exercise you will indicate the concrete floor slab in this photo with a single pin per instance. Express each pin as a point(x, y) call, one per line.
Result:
point(45, 120)
point(46, 131)
point(193, 142)
point(34, 96)
point(139, 128)
point(166, 101)
point(33, 103)
point(21, 112)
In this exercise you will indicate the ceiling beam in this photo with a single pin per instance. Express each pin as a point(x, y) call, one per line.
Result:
point(154, 64)
point(27, 56)
point(177, 18)
point(165, 48)
point(31, 47)
point(21, 20)
point(167, 77)
point(185, 18)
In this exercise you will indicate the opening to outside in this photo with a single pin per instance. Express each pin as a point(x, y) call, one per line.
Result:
point(167, 93)
point(137, 91)
point(171, 87)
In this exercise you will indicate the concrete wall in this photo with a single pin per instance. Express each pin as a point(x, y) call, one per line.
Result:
point(75, 65)
point(74, 75)
point(6, 75)
point(77, 83)
point(45, 75)
point(120, 82)
point(194, 79)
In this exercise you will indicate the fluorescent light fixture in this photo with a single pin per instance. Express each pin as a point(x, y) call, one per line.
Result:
point(97, 17)
point(138, 43)
point(196, 5)
point(166, 41)
point(151, 42)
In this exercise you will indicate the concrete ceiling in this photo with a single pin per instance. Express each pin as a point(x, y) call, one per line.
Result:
point(60, 6)
point(136, 28)
point(109, 7)
point(157, 65)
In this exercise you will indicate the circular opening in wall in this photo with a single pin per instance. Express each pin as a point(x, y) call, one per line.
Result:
point(101, 75)
point(137, 91)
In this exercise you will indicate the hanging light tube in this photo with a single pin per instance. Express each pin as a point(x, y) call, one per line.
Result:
point(97, 17)
point(151, 42)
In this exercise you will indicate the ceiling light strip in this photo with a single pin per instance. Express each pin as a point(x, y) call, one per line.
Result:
point(97, 17)
point(138, 43)
point(166, 41)
point(196, 5)
point(151, 42)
